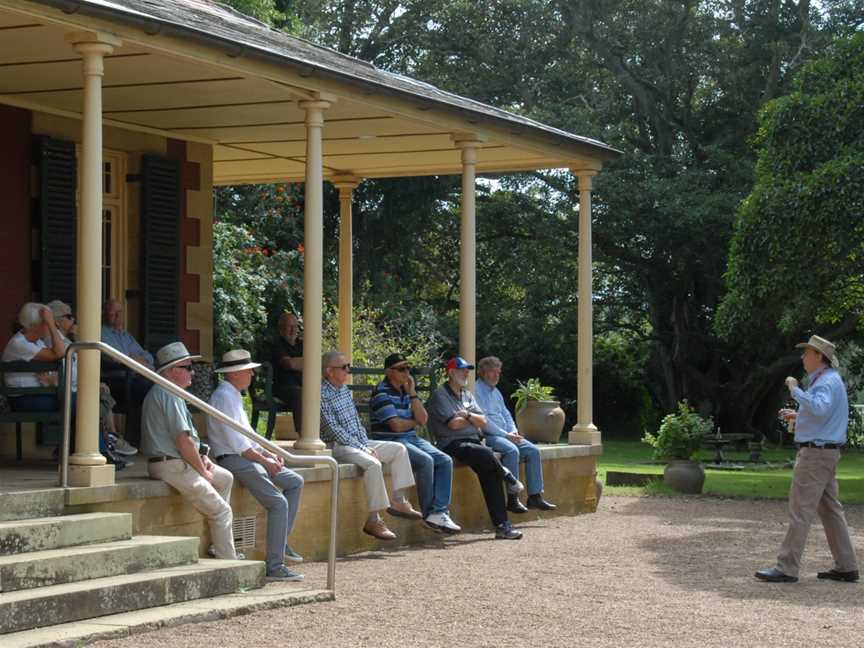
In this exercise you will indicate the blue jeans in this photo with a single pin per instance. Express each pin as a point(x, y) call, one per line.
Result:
point(433, 471)
point(512, 455)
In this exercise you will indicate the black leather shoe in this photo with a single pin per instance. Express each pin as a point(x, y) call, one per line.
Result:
point(833, 574)
point(774, 575)
point(536, 501)
point(514, 505)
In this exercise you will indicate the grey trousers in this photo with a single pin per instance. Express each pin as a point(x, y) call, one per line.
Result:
point(389, 452)
point(814, 491)
point(279, 494)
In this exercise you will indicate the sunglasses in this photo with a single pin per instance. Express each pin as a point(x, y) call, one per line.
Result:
point(69, 317)
point(402, 369)
point(345, 367)
point(186, 367)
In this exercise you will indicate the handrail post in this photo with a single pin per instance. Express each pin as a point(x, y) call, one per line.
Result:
point(155, 378)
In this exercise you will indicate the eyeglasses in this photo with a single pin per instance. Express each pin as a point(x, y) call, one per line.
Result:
point(69, 317)
point(345, 367)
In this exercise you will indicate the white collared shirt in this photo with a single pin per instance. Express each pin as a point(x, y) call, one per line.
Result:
point(223, 439)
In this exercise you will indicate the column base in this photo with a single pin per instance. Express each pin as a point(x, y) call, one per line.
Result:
point(584, 435)
point(91, 475)
point(310, 446)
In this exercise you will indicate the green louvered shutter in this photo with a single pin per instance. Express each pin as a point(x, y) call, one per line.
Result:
point(160, 219)
point(58, 219)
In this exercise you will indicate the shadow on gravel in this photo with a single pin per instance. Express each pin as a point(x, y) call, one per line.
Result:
point(717, 545)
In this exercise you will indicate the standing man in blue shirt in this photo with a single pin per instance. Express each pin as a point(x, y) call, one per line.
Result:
point(503, 437)
point(820, 432)
point(395, 411)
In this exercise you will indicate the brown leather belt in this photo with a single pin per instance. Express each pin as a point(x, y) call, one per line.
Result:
point(824, 446)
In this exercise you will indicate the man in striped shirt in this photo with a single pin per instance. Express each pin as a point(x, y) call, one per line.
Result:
point(395, 412)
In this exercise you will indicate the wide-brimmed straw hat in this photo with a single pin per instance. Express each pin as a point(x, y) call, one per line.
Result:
point(236, 361)
point(823, 346)
point(172, 354)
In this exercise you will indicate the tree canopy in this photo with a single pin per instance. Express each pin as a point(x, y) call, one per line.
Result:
point(677, 86)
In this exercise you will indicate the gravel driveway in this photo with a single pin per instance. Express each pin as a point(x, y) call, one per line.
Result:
point(640, 572)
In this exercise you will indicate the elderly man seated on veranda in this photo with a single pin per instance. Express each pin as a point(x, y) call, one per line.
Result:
point(177, 456)
point(29, 345)
point(342, 430)
point(395, 411)
point(501, 434)
point(276, 488)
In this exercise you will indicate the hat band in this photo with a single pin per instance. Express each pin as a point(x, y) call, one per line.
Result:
point(234, 363)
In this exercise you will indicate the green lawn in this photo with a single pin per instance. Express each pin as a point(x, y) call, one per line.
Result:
point(633, 456)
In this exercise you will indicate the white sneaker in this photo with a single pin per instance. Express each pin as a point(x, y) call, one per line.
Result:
point(442, 522)
point(123, 447)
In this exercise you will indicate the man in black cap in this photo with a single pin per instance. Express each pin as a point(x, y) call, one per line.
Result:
point(395, 411)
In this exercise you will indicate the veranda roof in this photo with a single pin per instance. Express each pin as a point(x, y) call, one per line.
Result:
point(197, 70)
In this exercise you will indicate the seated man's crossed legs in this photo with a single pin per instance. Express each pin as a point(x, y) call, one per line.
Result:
point(512, 454)
point(396, 456)
point(492, 476)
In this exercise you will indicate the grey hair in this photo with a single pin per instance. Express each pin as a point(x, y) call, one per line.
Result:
point(489, 362)
point(30, 314)
point(327, 358)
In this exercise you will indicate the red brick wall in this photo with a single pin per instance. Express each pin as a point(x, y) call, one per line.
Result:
point(190, 236)
point(16, 286)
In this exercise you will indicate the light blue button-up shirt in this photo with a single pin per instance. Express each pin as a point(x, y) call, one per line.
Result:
point(498, 419)
point(823, 410)
point(124, 343)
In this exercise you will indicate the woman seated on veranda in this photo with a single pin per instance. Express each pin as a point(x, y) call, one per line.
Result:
point(37, 325)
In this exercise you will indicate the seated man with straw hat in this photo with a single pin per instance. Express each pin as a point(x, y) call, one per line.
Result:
point(176, 454)
point(275, 487)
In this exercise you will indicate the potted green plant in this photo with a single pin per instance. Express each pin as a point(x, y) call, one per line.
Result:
point(677, 442)
point(539, 416)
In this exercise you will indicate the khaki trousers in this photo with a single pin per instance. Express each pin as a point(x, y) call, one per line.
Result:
point(814, 491)
point(389, 452)
point(211, 500)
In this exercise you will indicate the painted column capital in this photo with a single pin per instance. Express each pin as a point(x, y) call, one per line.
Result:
point(314, 112)
point(346, 184)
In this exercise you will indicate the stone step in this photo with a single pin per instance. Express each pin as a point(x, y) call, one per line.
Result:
point(42, 534)
point(71, 564)
point(56, 604)
point(23, 505)
point(129, 624)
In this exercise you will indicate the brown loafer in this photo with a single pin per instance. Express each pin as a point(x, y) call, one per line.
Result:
point(378, 530)
point(409, 512)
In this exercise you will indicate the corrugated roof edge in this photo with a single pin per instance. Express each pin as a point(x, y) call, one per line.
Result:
point(114, 10)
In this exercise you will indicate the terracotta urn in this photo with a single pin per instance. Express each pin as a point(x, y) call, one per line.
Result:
point(541, 421)
point(684, 476)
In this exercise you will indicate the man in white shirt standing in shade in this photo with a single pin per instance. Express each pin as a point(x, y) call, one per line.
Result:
point(820, 432)
point(275, 487)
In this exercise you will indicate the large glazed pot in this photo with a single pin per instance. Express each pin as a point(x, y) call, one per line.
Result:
point(684, 476)
point(541, 421)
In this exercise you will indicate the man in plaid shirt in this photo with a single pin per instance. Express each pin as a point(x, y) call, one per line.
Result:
point(342, 430)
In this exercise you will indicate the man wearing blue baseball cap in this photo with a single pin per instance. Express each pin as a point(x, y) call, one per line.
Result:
point(456, 421)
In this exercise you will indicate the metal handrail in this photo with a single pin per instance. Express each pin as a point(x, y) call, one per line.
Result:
point(154, 377)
